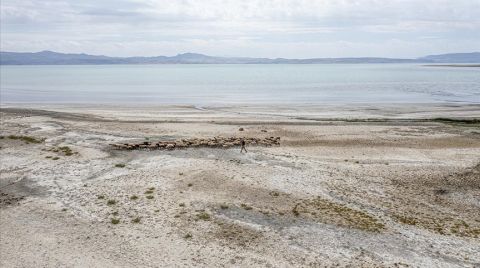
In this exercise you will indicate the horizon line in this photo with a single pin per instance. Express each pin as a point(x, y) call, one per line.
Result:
point(195, 53)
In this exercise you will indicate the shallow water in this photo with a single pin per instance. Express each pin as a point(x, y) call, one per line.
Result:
point(240, 84)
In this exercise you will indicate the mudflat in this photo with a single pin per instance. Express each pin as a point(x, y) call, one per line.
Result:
point(358, 186)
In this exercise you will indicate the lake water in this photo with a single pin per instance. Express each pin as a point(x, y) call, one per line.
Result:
point(239, 84)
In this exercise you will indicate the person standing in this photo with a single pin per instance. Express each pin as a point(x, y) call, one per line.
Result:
point(242, 142)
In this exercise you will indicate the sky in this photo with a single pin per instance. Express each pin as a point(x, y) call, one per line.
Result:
point(254, 28)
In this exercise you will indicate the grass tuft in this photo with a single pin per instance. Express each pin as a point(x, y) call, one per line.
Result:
point(295, 211)
point(115, 221)
point(66, 150)
point(120, 165)
point(246, 207)
point(203, 216)
point(407, 220)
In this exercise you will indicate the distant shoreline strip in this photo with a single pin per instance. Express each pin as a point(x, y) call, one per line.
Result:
point(453, 65)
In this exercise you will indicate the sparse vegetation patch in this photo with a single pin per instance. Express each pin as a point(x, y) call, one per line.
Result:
point(26, 139)
point(330, 212)
point(443, 226)
point(67, 151)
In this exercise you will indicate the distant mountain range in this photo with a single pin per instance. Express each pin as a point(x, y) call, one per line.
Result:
point(54, 58)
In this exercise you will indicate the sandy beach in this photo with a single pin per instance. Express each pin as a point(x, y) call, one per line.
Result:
point(348, 186)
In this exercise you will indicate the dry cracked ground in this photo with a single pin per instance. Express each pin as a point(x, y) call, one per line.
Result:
point(334, 193)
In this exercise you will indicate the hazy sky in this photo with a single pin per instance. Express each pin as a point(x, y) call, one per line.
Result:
point(258, 28)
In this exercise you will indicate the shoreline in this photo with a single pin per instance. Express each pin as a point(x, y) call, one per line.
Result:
point(293, 120)
point(360, 112)
point(453, 65)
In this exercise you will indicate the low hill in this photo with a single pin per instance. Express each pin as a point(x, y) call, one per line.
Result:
point(55, 58)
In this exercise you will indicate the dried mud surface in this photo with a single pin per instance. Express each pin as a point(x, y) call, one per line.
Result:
point(334, 193)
